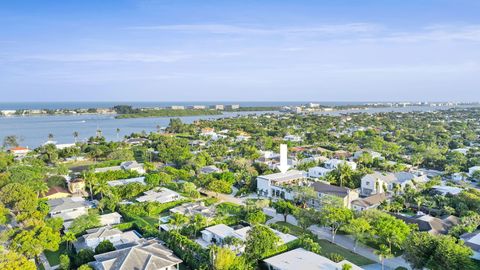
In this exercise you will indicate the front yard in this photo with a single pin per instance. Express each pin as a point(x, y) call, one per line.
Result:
point(328, 247)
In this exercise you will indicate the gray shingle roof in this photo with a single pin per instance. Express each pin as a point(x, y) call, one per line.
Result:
point(147, 254)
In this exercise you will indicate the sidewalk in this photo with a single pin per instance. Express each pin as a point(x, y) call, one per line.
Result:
point(363, 250)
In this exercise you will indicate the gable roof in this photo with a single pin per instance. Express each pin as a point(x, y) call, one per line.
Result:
point(62, 204)
point(430, 224)
point(371, 200)
point(146, 254)
point(330, 189)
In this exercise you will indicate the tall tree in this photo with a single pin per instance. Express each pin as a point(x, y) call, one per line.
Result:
point(335, 218)
point(261, 242)
point(359, 228)
point(285, 208)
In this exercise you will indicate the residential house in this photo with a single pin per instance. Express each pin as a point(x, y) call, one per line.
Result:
point(378, 182)
point(93, 237)
point(132, 166)
point(292, 138)
point(56, 193)
point(374, 154)
point(457, 177)
point(278, 185)
point(473, 241)
point(145, 254)
point(121, 182)
point(318, 172)
point(110, 219)
point(163, 195)
point(210, 169)
point(305, 260)
point(472, 170)
point(136, 141)
point(195, 208)
point(432, 225)
point(334, 163)
point(216, 235)
point(331, 194)
point(370, 202)
point(444, 190)
point(68, 208)
point(19, 151)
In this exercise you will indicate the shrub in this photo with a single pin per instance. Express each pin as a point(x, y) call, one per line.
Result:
point(104, 247)
point(64, 262)
point(336, 257)
point(83, 256)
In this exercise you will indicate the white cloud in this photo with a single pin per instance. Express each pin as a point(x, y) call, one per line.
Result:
point(110, 57)
point(255, 30)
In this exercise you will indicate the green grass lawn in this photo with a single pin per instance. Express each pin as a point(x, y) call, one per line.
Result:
point(329, 248)
point(294, 230)
point(151, 220)
point(53, 257)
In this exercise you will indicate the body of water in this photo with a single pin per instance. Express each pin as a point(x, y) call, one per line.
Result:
point(146, 104)
point(33, 130)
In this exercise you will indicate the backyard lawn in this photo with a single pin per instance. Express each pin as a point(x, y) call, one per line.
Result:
point(53, 257)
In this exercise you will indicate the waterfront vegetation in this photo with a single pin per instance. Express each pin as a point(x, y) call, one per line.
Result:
point(444, 141)
point(168, 113)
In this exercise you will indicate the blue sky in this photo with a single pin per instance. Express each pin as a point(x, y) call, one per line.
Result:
point(173, 50)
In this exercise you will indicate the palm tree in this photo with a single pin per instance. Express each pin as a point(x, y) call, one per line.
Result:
point(99, 133)
point(158, 128)
point(90, 180)
point(75, 136)
point(383, 253)
point(40, 187)
point(419, 200)
point(50, 136)
point(69, 238)
point(177, 220)
point(118, 134)
point(396, 188)
point(10, 141)
point(101, 187)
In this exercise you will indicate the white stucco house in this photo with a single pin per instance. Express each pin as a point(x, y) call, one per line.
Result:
point(318, 172)
point(305, 260)
point(162, 195)
point(68, 208)
point(334, 163)
point(292, 138)
point(216, 235)
point(278, 185)
point(378, 182)
point(93, 237)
